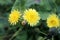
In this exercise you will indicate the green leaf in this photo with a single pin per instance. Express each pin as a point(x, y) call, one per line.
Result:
point(45, 4)
point(44, 15)
point(40, 38)
point(58, 9)
point(31, 2)
point(19, 4)
point(21, 36)
point(5, 2)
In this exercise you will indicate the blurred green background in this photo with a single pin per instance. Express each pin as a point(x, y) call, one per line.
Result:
point(44, 7)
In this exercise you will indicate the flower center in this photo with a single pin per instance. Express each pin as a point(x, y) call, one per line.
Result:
point(53, 22)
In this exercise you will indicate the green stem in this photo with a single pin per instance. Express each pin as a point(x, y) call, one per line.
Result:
point(43, 33)
point(52, 38)
point(16, 33)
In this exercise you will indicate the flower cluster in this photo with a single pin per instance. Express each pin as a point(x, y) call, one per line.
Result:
point(32, 17)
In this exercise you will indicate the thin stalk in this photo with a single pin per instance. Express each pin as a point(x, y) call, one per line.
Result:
point(43, 33)
point(16, 33)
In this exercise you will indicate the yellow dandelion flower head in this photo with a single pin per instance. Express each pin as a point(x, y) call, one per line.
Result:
point(52, 21)
point(14, 17)
point(31, 16)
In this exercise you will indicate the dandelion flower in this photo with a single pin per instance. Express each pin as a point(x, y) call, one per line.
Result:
point(52, 21)
point(31, 16)
point(14, 17)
